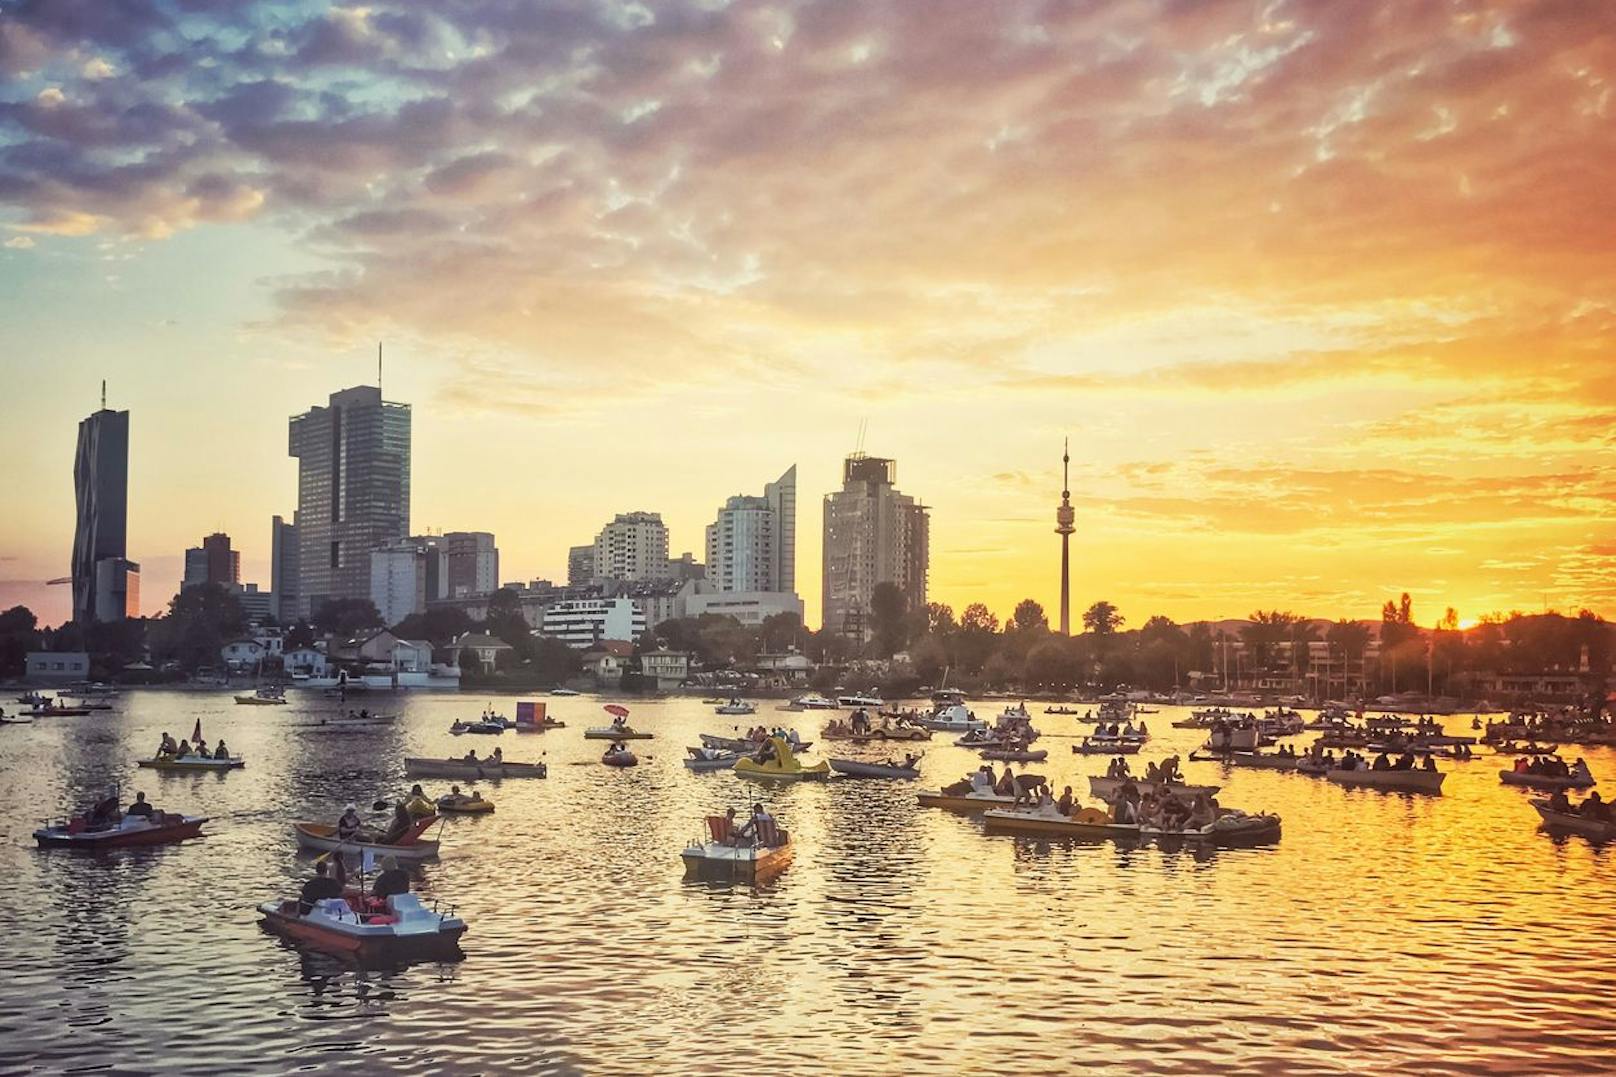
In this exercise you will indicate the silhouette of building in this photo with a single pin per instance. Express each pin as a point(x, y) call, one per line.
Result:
point(873, 534)
point(106, 584)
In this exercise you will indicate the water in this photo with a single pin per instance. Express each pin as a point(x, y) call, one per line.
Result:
point(1384, 932)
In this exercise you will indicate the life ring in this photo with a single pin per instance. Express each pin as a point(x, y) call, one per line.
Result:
point(1092, 817)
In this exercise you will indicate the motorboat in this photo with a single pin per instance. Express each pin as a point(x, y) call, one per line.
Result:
point(34, 699)
point(953, 718)
point(264, 697)
point(722, 857)
point(472, 769)
point(562, 692)
point(322, 837)
point(1579, 778)
point(1403, 781)
point(1572, 823)
point(781, 765)
point(615, 732)
point(56, 708)
point(183, 763)
point(812, 703)
point(857, 768)
point(853, 702)
point(736, 706)
point(162, 828)
point(703, 759)
point(1230, 828)
point(398, 927)
point(1106, 789)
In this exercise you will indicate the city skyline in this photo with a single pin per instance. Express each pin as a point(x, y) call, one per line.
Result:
point(1321, 326)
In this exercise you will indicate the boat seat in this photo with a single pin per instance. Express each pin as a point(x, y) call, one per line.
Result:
point(718, 826)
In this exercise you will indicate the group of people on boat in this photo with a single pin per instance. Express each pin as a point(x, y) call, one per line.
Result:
point(1353, 761)
point(1164, 810)
point(105, 815)
point(1593, 806)
point(330, 880)
point(1550, 766)
point(758, 829)
point(1121, 731)
point(351, 826)
point(495, 756)
point(168, 749)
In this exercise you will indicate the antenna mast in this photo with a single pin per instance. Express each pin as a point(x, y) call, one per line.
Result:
point(378, 364)
point(103, 394)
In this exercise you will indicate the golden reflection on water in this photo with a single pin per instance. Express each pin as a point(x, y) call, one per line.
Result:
point(1382, 931)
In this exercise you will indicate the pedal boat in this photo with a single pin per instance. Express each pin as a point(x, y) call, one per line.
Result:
point(716, 859)
point(407, 929)
point(180, 764)
point(131, 831)
point(783, 767)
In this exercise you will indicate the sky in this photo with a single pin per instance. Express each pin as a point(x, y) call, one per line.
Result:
point(1321, 292)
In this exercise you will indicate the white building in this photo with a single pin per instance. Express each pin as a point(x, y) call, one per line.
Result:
point(398, 581)
point(305, 662)
point(663, 600)
point(240, 655)
point(57, 667)
point(747, 607)
point(634, 546)
point(583, 622)
point(752, 544)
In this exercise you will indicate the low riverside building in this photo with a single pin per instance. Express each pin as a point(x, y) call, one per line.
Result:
point(56, 667)
point(659, 670)
point(751, 608)
point(584, 622)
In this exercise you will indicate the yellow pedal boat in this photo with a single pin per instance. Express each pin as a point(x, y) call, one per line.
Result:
point(779, 765)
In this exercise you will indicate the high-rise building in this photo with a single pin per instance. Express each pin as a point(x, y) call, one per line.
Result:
point(398, 581)
point(634, 546)
point(212, 562)
point(353, 491)
point(873, 534)
point(752, 545)
point(196, 567)
point(117, 589)
point(580, 565)
point(101, 489)
point(283, 570)
point(470, 564)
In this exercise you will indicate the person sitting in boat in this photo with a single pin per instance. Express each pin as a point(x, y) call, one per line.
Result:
point(1430, 763)
point(402, 822)
point(1064, 804)
point(104, 814)
point(200, 748)
point(1152, 772)
point(350, 825)
point(1201, 813)
point(1382, 762)
point(497, 756)
point(1594, 807)
point(765, 752)
point(1127, 808)
point(317, 889)
point(139, 809)
point(364, 713)
point(1560, 803)
point(909, 760)
point(168, 747)
point(471, 757)
point(1005, 786)
point(392, 880)
point(1169, 769)
point(183, 750)
point(220, 751)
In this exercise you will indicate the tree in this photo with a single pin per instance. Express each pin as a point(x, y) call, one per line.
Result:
point(1029, 617)
point(1102, 619)
point(978, 618)
point(554, 661)
point(18, 636)
point(1268, 629)
point(940, 619)
point(469, 661)
point(977, 638)
point(1053, 664)
point(505, 620)
point(782, 632)
point(889, 610)
point(345, 617)
point(440, 624)
point(299, 635)
point(1397, 623)
point(200, 620)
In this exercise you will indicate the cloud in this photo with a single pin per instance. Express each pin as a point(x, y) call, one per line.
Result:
point(20, 243)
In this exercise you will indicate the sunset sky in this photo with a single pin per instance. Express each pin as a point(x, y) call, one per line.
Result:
point(1322, 292)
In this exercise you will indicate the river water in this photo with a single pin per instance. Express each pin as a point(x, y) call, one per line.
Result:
point(1383, 932)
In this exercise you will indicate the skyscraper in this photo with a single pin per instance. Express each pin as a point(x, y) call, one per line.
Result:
point(101, 489)
point(470, 564)
point(1064, 520)
point(873, 534)
point(634, 546)
point(353, 491)
point(283, 557)
point(752, 544)
point(580, 565)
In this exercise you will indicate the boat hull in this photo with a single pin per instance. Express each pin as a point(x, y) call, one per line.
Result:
point(763, 772)
point(620, 759)
point(962, 802)
point(853, 768)
point(1265, 828)
point(1543, 781)
point(281, 918)
point(470, 807)
point(459, 768)
point(726, 863)
point(599, 733)
point(1559, 822)
point(1105, 749)
point(192, 764)
point(58, 837)
point(1015, 757)
point(1399, 781)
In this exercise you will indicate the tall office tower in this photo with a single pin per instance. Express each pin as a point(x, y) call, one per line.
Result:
point(873, 534)
point(196, 567)
point(634, 546)
point(283, 570)
point(752, 544)
point(580, 565)
point(353, 491)
point(470, 564)
point(224, 564)
point(101, 489)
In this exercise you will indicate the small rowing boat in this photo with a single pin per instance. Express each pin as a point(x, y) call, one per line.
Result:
point(1015, 755)
point(1402, 781)
point(161, 829)
point(400, 928)
point(1106, 789)
point(491, 769)
point(615, 732)
point(184, 763)
point(704, 759)
point(1090, 747)
point(322, 837)
point(1578, 779)
point(1252, 760)
point(855, 768)
point(620, 757)
point(1570, 823)
point(1232, 828)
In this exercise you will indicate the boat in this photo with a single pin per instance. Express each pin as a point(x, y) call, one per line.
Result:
point(322, 837)
point(782, 765)
point(701, 759)
point(1106, 788)
point(562, 692)
point(1571, 823)
point(473, 804)
point(1092, 747)
point(264, 697)
point(615, 732)
point(55, 708)
point(34, 699)
point(184, 763)
point(401, 927)
point(736, 706)
point(493, 727)
point(537, 727)
point(855, 768)
point(1062, 710)
point(853, 702)
point(1251, 760)
point(745, 746)
point(472, 769)
point(717, 858)
point(1015, 754)
point(1405, 781)
point(620, 757)
point(812, 703)
point(162, 828)
point(1232, 828)
point(974, 801)
point(952, 718)
point(1580, 780)
point(15, 721)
